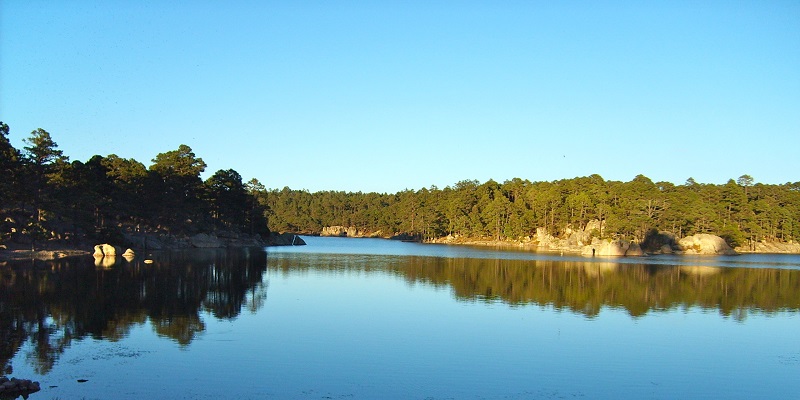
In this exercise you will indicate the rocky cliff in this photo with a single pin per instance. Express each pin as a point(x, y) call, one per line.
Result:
point(586, 241)
point(348, 231)
point(771, 247)
point(705, 244)
point(612, 248)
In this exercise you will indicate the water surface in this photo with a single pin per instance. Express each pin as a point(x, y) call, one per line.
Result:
point(369, 318)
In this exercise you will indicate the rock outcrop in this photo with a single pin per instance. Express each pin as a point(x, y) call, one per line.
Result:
point(348, 231)
point(11, 388)
point(285, 239)
point(771, 247)
point(612, 248)
point(205, 241)
point(656, 242)
point(218, 239)
point(106, 250)
point(704, 243)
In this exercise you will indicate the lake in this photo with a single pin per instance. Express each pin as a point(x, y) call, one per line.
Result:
point(372, 319)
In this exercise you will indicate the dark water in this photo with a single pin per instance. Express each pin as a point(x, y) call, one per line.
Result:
point(368, 318)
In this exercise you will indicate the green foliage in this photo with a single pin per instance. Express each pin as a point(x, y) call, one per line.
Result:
point(181, 162)
point(113, 192)
point(99, 199)
point(515, 209)
point(228, 197)
point(9, 168)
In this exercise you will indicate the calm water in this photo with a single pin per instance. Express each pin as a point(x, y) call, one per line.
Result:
point(371, 319)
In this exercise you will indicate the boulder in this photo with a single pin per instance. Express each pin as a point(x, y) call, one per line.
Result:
point(334, 231)
point(582, 237)
point(205, 241)
point(129, 255)
point(109, 250)
point(153, 243)
point(12, 388)
point(705, 244)
point(105, 250)
point(656, 242)
point(612, 248)
point(771, 247)
point(285, 239)
point(634, 250)
point(348, 231)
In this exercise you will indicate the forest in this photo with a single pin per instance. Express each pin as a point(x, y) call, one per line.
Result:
point(44, 196)
point(740, 211)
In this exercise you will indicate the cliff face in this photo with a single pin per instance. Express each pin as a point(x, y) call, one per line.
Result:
point(612, 248)
point(771, 247)
point(705, 244)
point(348, 231)
point(586, 241)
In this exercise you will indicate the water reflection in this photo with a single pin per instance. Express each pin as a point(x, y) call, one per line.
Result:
point(582, 287)
point(52, 304)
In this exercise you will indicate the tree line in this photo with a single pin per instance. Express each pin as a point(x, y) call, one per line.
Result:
point(45, 196)
point(740, 211)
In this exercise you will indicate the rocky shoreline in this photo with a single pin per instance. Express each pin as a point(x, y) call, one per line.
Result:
point(146, 242)
point(585, 242)
point(12, 388)
point(577, 242)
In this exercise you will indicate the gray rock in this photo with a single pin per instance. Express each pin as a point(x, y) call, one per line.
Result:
point(205, 241)
point(105, 250)
point(612, 248)
point(705, 244)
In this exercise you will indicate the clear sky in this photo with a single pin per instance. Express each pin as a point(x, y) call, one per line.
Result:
point(392, 95)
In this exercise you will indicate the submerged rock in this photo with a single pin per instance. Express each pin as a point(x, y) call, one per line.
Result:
point(17, 387)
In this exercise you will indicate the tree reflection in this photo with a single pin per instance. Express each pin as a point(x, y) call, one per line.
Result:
point(585, 287)
point(50, 304)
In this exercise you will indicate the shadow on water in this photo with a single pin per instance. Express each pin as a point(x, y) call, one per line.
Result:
point(51, 304)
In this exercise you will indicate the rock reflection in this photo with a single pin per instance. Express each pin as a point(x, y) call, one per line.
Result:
point(105, 262)
point(50, 304)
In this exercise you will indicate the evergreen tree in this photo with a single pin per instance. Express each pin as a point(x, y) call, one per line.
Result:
point(9, 168)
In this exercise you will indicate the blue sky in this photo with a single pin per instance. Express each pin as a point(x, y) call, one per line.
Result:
point(384, 96)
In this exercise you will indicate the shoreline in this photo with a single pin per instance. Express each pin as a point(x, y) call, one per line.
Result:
point(76, 251)
point(58, 250)
point(41, 255)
